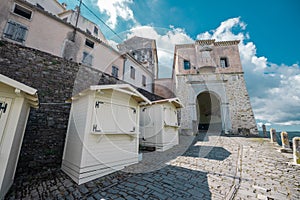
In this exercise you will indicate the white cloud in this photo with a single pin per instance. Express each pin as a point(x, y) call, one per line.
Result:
point(115, 9)
point(274, 89)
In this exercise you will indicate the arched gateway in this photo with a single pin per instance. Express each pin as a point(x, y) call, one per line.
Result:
point(209, 115)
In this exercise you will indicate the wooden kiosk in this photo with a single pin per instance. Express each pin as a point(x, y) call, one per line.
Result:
point(15, 102)
point(159, 124)
point(102, 135)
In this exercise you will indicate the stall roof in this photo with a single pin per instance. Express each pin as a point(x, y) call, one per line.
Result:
point(175, 101)
point(125, 88)
point(29, 93)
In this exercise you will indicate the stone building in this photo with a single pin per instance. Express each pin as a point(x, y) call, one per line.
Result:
point(137, 74)
point(209, 80)
point(143, 50)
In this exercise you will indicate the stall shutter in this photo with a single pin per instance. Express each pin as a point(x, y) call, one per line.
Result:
point(113, 118)
point(5, 104)
point(170, 116)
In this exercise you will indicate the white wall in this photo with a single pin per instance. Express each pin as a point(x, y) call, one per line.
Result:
point(12, 137)
point(139, 71)
point(51, 6)
point(83, 24)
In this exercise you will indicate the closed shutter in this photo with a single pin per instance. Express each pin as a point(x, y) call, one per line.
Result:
point(15, 31)
point(170, 116)
point(113, 118)
point(5, 104)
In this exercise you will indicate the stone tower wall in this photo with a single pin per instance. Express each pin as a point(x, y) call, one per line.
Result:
point(242, 117)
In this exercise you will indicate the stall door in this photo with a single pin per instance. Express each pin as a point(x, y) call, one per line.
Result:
point(147, 122)
point(5, 104)
point(113, 118)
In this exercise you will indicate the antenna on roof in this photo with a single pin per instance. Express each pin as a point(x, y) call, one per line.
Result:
point(77, 9)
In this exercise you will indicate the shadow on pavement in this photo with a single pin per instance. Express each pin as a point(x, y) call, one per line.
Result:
point(209, 152)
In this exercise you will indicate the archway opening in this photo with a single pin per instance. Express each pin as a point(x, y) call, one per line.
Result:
point(209, 112)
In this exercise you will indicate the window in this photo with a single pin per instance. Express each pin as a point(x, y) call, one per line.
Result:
point(186, 64)
point(89, 43)
point(144, 80)
point(95, 30)
point(114, 71)
point(22, 11)
point(132, 72)
point(15, 31)
point(87, 58)
point(223, 62)
point(88, 31)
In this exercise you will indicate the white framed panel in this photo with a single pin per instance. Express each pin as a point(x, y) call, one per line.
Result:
point(112, 118)
point(5, 104)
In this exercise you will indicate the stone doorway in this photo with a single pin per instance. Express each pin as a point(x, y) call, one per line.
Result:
point(209, 112)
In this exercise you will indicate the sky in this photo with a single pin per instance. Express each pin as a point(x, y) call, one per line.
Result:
point(269, 32)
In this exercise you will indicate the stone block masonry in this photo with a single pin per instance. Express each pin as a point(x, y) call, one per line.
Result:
point(239, 104)
point(55, 79)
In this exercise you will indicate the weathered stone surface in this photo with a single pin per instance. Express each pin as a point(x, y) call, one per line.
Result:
point(296, 150)
point(273, 135)
point(285, 140)
point(253, 167)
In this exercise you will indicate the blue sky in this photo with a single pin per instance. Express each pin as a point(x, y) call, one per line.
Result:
point(270, 42)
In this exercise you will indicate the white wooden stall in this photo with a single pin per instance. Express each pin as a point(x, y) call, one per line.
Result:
point(102, 135)
point(159, 124)
point(15, 102)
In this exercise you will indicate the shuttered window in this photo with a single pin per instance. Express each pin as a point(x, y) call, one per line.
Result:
point(115, 71)
point(87, 59)
point(132, 72)
point(15, 31)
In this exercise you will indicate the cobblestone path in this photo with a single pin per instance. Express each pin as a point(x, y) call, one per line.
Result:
point(213, 167)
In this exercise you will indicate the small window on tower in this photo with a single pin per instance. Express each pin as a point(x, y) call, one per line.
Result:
point(224, 62)
point(95, 30)
point(186, 64)
point(143, 80)
point(132, 72)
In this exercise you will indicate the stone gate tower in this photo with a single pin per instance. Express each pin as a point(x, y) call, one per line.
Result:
point(209, 80)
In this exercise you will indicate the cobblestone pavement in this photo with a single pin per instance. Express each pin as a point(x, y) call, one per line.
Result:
point(213, 167)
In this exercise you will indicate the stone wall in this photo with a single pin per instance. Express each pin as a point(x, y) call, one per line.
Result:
point(241, 112)
point(56, 80)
